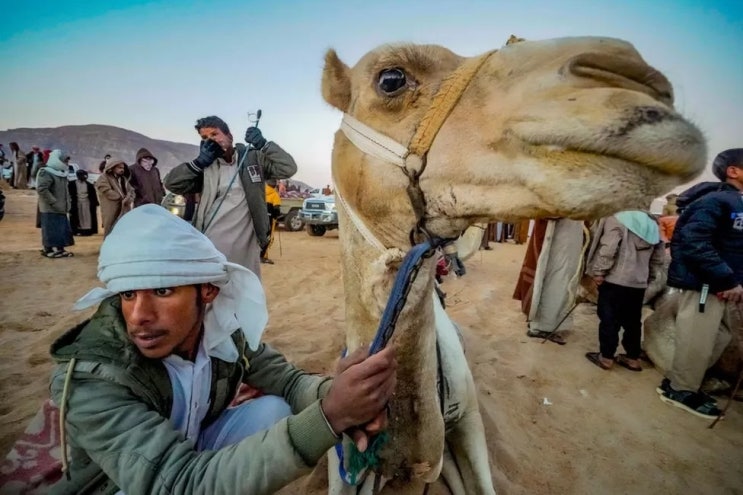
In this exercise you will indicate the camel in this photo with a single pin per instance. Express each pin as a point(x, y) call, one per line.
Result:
point(432, 142)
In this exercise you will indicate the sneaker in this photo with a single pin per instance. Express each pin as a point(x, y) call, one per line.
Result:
point(692, 402)
point(665, 386)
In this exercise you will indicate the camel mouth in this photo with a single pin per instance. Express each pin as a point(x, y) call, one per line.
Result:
point(654, 138)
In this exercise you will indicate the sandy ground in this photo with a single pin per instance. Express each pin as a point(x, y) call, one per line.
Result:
point(555, 423)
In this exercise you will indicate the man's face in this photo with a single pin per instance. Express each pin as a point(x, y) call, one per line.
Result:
point(118, 169)
point(215, 134)
point(735, 176)
point(166, 321)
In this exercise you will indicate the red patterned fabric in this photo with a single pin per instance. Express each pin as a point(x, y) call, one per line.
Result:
point(34, 463)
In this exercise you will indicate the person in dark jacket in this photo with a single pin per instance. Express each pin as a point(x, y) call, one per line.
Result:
point(706, 278)
point(230, 179)
point(83, 214)
point(145, 179)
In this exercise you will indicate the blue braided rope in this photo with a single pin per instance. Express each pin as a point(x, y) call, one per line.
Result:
point(386, 324)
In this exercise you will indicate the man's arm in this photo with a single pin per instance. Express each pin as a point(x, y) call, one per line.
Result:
point(185, 179)
point(134, 183)
point(606, 253)
point(103, 186)
point(142, 452)
point(657, 261)
point(270, 372)
point(275, 162)
point(43, 186)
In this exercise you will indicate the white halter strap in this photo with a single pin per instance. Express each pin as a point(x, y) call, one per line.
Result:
point(358, 223)
point(373, 143)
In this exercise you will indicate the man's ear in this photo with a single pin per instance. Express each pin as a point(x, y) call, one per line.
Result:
point(208, 292)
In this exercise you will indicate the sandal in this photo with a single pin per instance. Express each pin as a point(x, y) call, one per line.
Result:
point(595, 358)
point(65, 254)
point(623, 361)
point(51, 254)
point(551, 336)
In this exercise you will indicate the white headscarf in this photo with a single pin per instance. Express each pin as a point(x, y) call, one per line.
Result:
point(150, 248)
point(55, 163)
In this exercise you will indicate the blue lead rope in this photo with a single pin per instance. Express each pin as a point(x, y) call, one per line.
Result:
point(397, 296)
point(359, 462)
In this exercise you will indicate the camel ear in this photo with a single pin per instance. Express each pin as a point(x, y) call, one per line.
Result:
point(336, 82)
point(514, 39)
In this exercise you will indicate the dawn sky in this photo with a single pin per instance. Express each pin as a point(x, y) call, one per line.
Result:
point(156, 66)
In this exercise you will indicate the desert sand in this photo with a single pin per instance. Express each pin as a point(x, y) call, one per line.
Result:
point(555, 423)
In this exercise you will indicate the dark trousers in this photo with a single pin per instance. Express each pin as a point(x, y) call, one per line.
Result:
point(620, 307)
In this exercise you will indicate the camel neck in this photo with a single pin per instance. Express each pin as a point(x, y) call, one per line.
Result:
point(417, 427)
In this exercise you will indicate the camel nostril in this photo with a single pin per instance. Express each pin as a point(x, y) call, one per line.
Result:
point(622, 72)
point(651, 115)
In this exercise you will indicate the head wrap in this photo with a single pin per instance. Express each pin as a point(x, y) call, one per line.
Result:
point(111, 163)
point(731, 157)
point(640, 223)
point(55, 163)
point(150, 248)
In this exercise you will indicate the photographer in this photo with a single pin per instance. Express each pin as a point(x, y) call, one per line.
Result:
point(232, 213)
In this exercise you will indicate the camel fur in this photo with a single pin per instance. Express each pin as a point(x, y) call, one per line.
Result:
point(576, 127)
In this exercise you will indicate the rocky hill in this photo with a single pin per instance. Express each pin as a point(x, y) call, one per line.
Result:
point(88, 144)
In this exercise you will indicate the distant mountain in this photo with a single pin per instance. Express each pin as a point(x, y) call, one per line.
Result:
point(88, 144)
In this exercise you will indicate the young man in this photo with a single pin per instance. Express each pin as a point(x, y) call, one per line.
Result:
point(706, 277)
point(230, 179)
point(628, 252)
point(144, 386)
point(145, 179)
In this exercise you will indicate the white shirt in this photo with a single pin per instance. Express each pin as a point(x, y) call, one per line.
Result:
point(191, 382)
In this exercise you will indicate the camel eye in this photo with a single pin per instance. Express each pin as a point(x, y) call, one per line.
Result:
point(392, 81)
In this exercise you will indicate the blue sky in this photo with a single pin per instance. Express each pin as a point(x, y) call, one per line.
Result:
point(157, 66)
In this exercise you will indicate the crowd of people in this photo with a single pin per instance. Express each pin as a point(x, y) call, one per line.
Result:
point(178, 326)
point(695, 245)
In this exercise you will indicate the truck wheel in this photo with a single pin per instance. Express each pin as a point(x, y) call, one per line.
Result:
point(316, 230)
point(292, 222)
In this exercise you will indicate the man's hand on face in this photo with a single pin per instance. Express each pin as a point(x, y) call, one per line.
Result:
point(208, 152)
point(361, 389)
point(733, 295)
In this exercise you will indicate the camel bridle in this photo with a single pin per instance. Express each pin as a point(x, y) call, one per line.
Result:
point(411, 158)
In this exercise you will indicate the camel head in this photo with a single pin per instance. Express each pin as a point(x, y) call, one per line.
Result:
point(574, 127)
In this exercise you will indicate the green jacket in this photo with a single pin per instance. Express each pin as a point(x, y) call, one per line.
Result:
point(117, 404)
point(54, 195)
point(271, 162)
